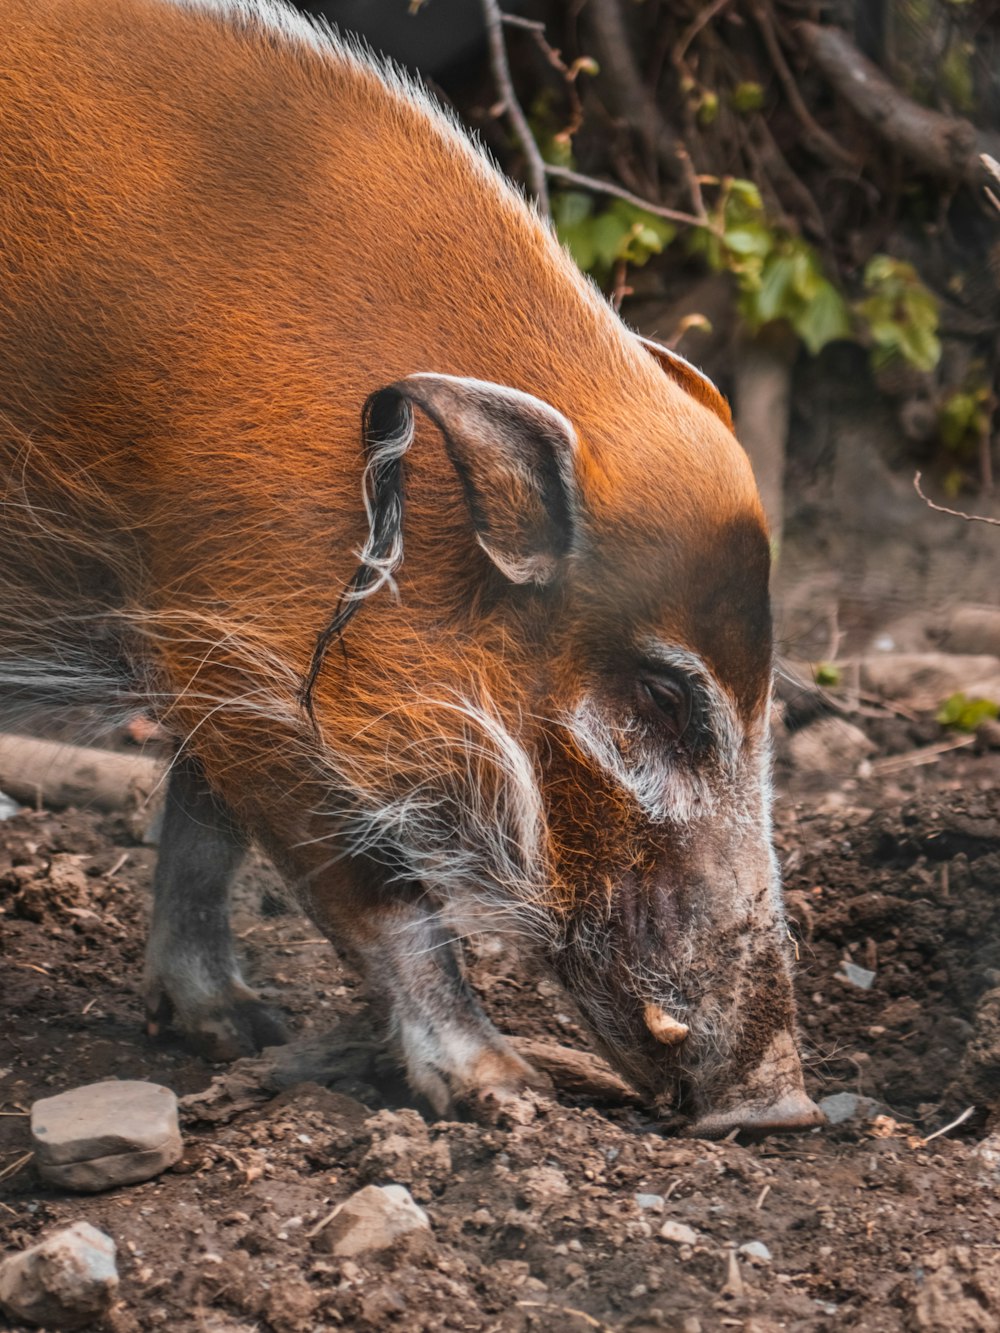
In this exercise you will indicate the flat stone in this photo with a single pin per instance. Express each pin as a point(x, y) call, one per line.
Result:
point(829, 746)
point(862, 977)
point(973, 629)
point(925, 680)
point(105, 1134)
point(68, 1280)
point(844, 1106)
point(375, 1218)
point(653, 1202)
point(678, 1234)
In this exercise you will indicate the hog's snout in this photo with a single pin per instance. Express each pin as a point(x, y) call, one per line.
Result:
point(790, 1113)
point(771, 1099)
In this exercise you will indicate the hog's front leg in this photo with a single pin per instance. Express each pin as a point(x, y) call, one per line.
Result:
point(413, 965)
point(192, 978)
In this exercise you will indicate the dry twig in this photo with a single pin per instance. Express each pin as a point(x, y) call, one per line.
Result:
point(618, 192)
point(588, 1319)
point(946, 1129)
point(14, 1167)
point(636, 103)
point(500, 66)
point(993, 169)
point(955, 513)
point(815, 133)
point(694, 28)
point(927, 754)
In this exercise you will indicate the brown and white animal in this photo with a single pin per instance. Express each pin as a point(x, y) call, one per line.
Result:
point(245, 273)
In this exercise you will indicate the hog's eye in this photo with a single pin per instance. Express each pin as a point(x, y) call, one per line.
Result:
point(665, 698)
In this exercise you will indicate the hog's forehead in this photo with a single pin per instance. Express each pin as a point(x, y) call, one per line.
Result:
point(701, 587)
point(675, 547)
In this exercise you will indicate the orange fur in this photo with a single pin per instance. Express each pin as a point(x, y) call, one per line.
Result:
point(217, 242)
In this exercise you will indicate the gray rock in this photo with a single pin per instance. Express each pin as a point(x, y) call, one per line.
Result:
point(105, 1134)
point(678, 1234)
point(375, 1218)
point(829, 746)
point(862, 977)
point(844, 1106)
point(973, 629)
point(651, 1202)
point(755, 1249)
point(66, 1281)
point(8, 806)
point(925, 680)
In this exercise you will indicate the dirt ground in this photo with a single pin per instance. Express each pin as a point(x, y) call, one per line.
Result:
point(537, 1225)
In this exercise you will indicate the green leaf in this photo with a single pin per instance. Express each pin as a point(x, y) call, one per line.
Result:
point(708, 108)
point(807, 276)
point(965, 714)
point(879, 269)
point(750, 239)
point(643, 244)
point(570, 207)
point(920, 347)
point(957, 419)
point(747, 97)
point(579, 240)
point(747, 193)
point(775, 288)
point(921, 309)
point(825, 673)
point(825, 319)
point(609, 233)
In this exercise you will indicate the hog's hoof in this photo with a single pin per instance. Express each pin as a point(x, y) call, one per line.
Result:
point(504, 1090)
point(231, 1026)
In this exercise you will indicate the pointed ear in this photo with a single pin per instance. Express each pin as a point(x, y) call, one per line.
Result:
point(514, 456)
point(690, 378)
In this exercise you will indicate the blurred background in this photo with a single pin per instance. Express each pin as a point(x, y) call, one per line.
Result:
point(833, 263)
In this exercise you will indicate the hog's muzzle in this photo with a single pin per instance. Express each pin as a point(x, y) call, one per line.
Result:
point(771, 1099)
point(756, 1110)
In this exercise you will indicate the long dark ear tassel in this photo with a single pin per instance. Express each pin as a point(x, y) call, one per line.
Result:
point(386, 434)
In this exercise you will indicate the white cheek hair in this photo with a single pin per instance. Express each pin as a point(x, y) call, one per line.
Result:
point(661, 789)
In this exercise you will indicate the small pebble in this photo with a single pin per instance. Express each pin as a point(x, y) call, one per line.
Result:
point(678, 1234)
point(861, 977)
point(653, 1202)
point(844, 1106)
point(756, 1249)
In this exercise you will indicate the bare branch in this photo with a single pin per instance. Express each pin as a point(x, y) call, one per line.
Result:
point(695, 27)
point(625, 84)
point(516, 21)
point(993, 170)
point(946, 146)
point(606, 187)
point(512, 107)
point(817, 137)
point(955, 513)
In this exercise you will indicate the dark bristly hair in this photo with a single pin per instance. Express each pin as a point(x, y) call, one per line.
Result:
point(386, 434)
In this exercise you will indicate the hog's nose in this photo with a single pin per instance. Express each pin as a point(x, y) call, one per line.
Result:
point(767, 1099)
point(790, 1113)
